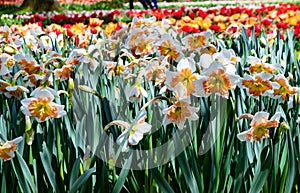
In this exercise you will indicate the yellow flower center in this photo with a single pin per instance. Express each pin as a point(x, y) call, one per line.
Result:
point(167, 49)
point(196, 42)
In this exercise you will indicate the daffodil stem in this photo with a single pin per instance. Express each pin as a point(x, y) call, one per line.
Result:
point(218, 140)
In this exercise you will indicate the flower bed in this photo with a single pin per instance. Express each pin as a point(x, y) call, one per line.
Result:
point(196, 101)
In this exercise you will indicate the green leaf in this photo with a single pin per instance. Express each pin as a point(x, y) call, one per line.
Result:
point(74, 172)
point(26, 172)
point(161, 181)
point(81, 180)
point(46, 160)
point(123, 175)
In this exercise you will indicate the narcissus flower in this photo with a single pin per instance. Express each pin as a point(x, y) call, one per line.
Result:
point(184, 75)
point(260, 85)
point(285, 90)
point(258, 66)
point(91, 56)
point(215, 79)
point(167, 46)
point(196, 41)
point(7, 149)
point(260, 126)
point(136, 92)
point(156, 71)
point(64, 73)
point(181, 110)
point(27, 63)
point(3, 68)
point(41, 106)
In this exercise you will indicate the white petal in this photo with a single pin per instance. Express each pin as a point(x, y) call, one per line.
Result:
point(185, 63)
point(276, 116)
point(243, 135)
point(135, 138)
point(205, 60)
point(259, 116)
point(45, 93)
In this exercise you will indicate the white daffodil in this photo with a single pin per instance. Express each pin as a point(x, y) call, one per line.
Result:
point(215, 79)
point(7, 150)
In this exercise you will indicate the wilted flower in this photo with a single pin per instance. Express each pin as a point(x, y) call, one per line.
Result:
point(260, 126)
point(41, 106)
point(133, 132)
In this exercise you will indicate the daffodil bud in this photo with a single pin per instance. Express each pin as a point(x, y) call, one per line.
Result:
point(29, 131)
point(283, 127)
point(71, 84)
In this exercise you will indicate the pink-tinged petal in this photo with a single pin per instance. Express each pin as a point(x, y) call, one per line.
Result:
point(259, 116)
